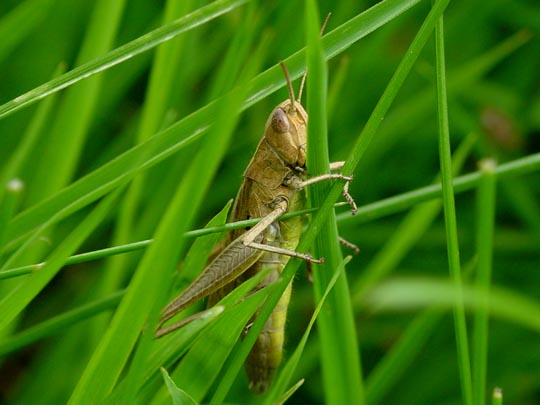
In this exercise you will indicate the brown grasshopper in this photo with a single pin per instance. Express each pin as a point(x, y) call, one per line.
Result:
point(274, 183)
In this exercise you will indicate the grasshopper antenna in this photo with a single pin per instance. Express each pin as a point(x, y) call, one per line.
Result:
point(303, 82)
point(289, 86)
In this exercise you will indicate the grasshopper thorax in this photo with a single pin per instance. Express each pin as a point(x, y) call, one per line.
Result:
point(286, 133)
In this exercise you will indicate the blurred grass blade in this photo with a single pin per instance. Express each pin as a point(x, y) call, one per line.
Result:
point(454, 265)
point(223, 129)
point(20, 22)
point(395, 363)
point(407, 234)
point(58, 323)
point(59, 157)
point(412, 293)
point(35, 128)
point(127, 51)
point(18, 298)
point(485, 213)
point(10, 193)
point(165, 66)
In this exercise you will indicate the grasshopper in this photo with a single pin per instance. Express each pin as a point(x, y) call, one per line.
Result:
point(273, 184)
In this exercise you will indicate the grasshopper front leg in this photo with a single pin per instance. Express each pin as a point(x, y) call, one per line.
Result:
point(299, 184)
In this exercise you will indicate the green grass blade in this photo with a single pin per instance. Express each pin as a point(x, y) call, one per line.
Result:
point(279, 389)
point(379, 209)
point(127, 51)
point(60, 156)
point(394, 85)
point(340, 359)
point(485, 212)
point(58, 323)
point(178, 396)
point(342, 38)
point(411, 293)
point(450, 216)
point(400, 202)
point(18, 298)
point(165, 66)
point(285, 397)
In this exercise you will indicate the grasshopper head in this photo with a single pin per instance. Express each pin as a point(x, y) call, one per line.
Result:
point(286, 133)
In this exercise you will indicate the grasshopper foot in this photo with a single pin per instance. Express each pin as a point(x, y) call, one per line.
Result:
point(349, 245)
point(348, 197)
point(298, 185)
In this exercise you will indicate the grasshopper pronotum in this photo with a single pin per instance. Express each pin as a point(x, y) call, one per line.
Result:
point(274, 183)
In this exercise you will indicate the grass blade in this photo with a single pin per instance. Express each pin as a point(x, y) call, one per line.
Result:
point(485, 212)
point(279, 388)
point(450, 216)
point(339, 350)
point(125, 52)
point(19, 297)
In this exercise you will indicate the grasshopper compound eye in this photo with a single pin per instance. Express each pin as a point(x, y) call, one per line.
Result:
point(280, 123)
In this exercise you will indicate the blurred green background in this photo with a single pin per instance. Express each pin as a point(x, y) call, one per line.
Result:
point(492, 65)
